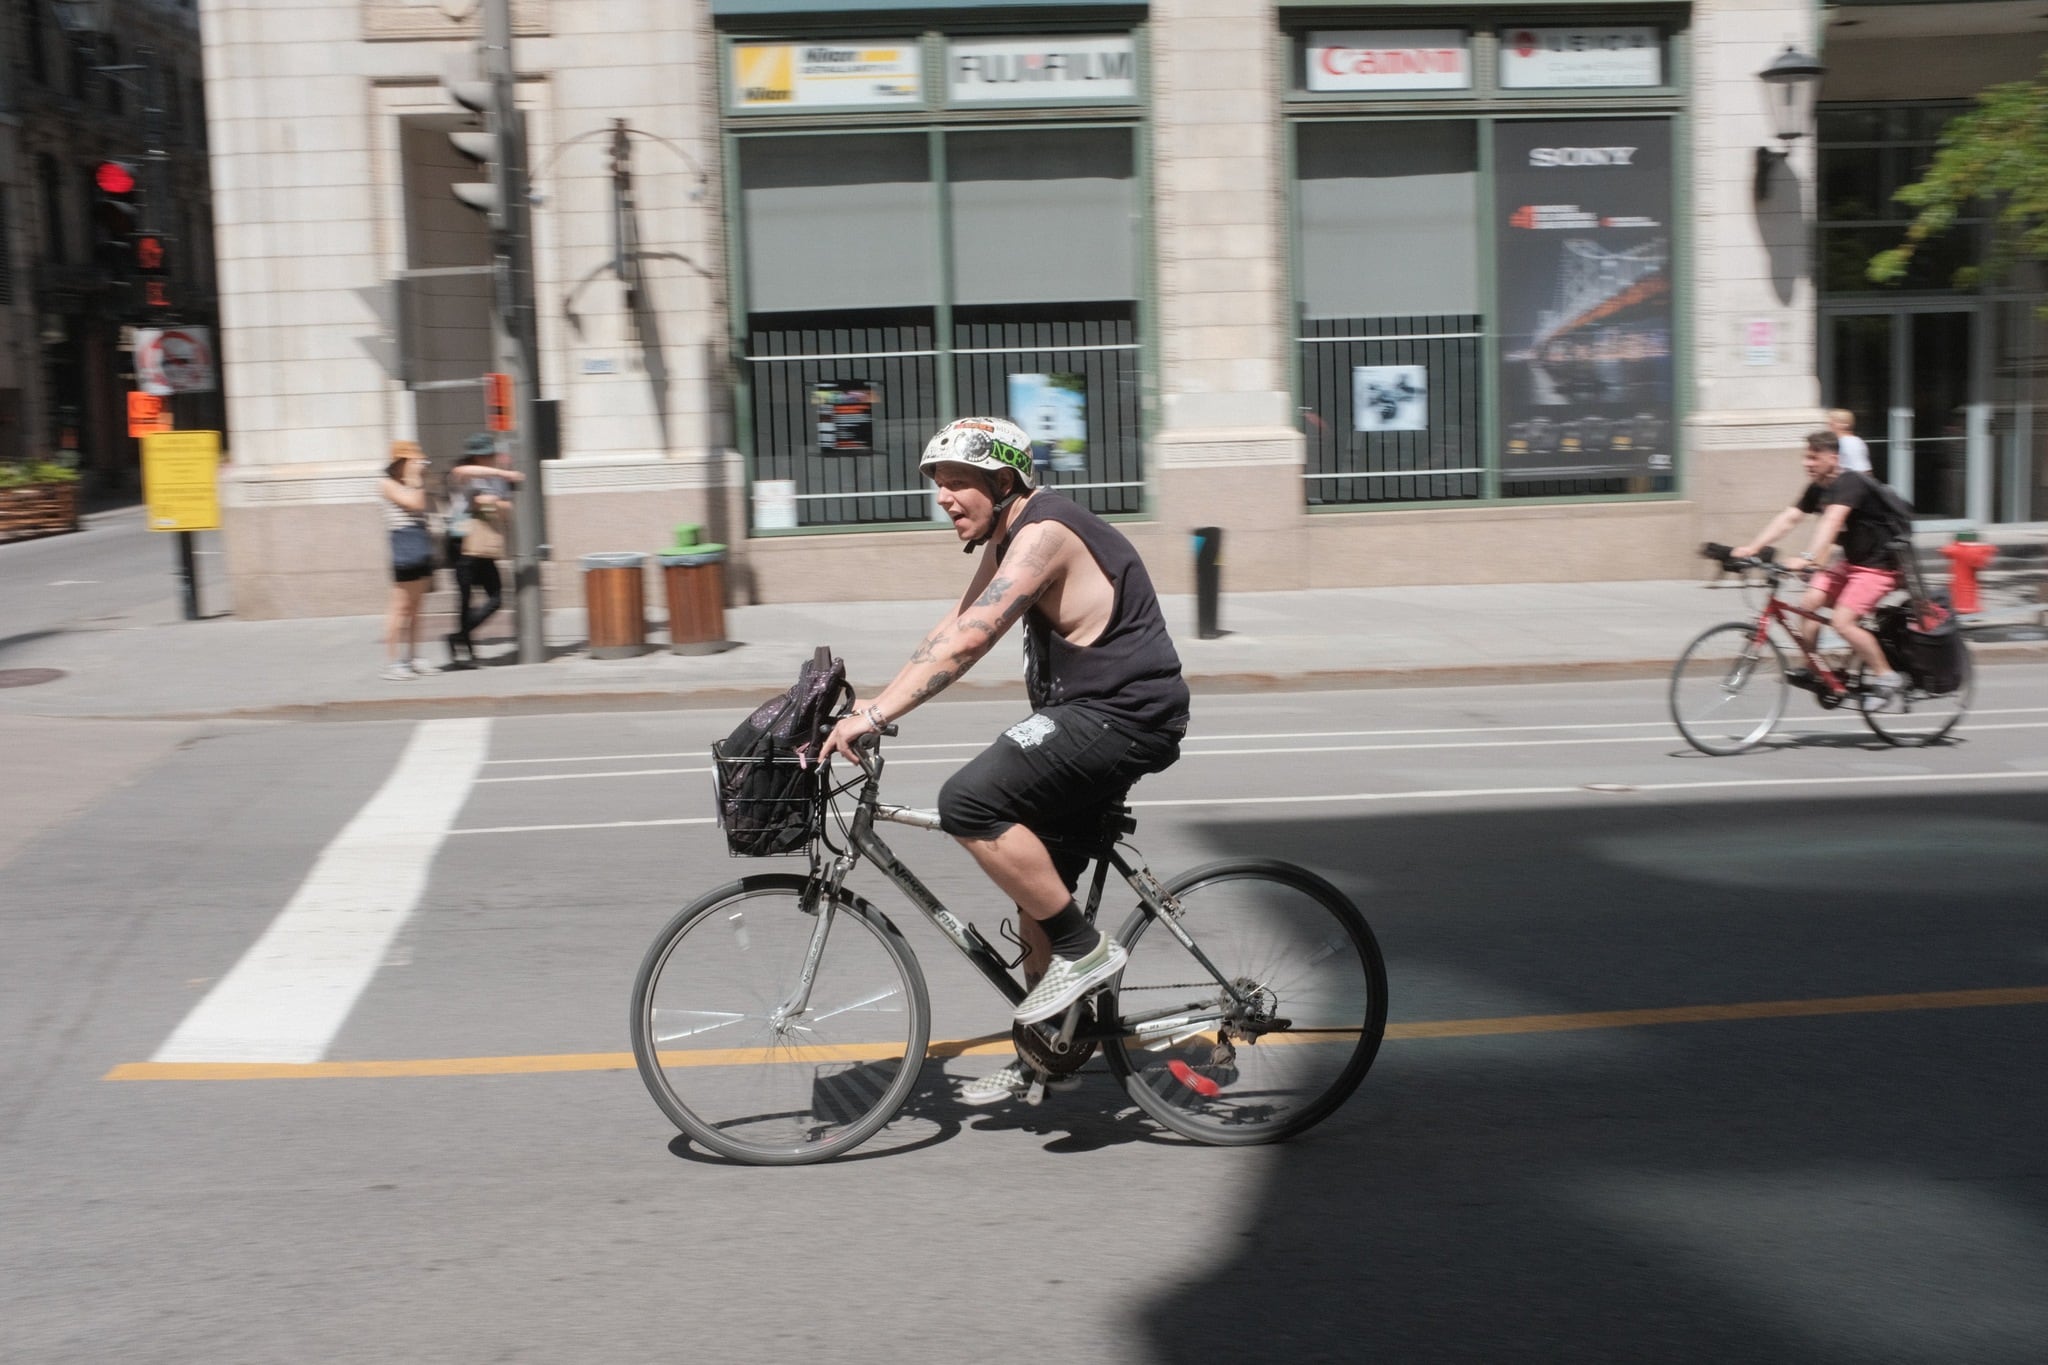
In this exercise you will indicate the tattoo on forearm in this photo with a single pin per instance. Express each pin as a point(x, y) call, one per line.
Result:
point(994, 592)
point(932, 686)
point(923, 653)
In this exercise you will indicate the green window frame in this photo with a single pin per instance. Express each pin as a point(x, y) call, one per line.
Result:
point(1475, 478)
point(926, 362)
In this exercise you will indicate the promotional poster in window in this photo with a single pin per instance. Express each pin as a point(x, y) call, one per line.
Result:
point(1585, 297)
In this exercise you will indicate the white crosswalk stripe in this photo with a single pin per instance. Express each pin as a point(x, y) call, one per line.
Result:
point(295, 986)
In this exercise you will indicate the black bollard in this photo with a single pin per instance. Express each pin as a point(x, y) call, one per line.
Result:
point(1208, 575)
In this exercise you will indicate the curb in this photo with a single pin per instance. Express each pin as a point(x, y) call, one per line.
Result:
point(746, 697)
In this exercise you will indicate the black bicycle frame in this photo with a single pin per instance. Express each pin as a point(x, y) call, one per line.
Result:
point(1152, 895)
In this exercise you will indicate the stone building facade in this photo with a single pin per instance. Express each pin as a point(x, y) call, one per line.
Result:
point(1389, 294)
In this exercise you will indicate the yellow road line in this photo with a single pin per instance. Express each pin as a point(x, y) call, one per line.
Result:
point(997, 1044)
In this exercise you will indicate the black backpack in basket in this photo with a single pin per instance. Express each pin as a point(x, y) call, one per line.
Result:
point(767, 798)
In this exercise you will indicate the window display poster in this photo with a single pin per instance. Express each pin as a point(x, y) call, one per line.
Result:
point(1584, 262)
point(1053, 410)
point(775, 504)
point(1390, 398)
point(845, 412)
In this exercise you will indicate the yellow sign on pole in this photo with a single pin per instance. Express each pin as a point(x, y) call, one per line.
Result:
point(180, 470)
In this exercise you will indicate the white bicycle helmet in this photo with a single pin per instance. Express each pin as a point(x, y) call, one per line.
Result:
point(990, 443)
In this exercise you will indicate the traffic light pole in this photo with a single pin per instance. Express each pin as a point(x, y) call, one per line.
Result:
point(515, 335)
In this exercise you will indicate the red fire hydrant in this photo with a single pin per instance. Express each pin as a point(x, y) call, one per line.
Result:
point(1966, 556)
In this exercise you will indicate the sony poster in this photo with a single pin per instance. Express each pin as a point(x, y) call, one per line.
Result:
point(1585, 293)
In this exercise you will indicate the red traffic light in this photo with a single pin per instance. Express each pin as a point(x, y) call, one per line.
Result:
point(113, 177)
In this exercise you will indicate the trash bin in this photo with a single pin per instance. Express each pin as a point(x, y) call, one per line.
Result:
point(695, 579)
point(615, 598)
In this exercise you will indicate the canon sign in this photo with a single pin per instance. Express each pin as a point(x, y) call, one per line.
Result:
point(1581, 156)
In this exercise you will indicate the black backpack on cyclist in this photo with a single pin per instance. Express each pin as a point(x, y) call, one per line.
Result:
point(767, 798)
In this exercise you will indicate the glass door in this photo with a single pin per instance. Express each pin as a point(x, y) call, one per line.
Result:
point(1935, 478)
point(1861, 381)
point(1910, 375)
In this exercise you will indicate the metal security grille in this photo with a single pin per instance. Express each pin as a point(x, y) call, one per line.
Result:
point(1102, 350)
point(6, 249)
point(790, 356)
point(1444, 460)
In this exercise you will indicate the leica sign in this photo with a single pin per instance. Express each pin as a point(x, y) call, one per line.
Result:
point(1389, 59)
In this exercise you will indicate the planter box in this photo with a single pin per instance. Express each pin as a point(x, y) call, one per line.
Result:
point(38, 510)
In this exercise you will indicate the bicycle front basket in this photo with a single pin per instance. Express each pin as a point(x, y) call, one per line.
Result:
point(768, 803)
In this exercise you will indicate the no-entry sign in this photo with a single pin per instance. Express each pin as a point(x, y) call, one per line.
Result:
point(173, 360)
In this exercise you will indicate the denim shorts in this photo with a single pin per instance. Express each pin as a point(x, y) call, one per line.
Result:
point(1056, 772)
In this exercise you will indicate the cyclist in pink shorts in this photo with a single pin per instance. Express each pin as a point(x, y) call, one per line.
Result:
point(1855, 515)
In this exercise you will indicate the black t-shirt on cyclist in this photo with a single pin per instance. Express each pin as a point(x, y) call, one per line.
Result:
point(1867, 534)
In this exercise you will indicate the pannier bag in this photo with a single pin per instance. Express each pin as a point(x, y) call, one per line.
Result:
point(768, 801)
point(1922, 641)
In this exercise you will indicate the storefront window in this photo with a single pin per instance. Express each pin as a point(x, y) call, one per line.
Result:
point(1867, 155)
point(881, 302)
point(1045, 317)
point(842, 287)
point(1389, 224)
point(1511, 336)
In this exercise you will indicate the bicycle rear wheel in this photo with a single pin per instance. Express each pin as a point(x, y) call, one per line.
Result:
point(1727, 690)
point(1922, 718)
point(1309, 963)
point(733, 1068)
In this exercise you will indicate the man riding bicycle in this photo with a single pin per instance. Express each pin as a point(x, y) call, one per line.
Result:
point(1853, 513)
point(1104, 681)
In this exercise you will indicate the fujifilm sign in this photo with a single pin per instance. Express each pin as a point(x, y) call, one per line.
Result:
point(1581, 156)
point(1018, 70)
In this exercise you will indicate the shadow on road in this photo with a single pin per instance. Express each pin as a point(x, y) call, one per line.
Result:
point(1849, 1188)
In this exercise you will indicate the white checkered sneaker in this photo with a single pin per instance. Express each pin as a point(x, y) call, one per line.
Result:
point(1067, 980)
point(1010, 1083)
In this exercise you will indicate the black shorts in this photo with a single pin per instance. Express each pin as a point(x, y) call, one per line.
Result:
point(1055, 772)
point(411, 573)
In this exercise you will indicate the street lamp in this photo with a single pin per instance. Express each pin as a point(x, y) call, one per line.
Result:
point(1791, 83)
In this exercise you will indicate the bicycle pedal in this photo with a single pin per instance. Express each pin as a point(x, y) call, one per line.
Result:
point(1034, 1094)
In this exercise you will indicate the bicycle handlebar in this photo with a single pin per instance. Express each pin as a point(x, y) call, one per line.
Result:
point(1766, 560)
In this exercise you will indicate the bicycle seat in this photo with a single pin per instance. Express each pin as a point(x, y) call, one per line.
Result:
point(1093, 831)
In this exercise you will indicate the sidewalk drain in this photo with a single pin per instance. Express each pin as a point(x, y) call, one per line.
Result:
point(28, 677)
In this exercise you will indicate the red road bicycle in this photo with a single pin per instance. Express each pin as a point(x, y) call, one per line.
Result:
point(1728, 689)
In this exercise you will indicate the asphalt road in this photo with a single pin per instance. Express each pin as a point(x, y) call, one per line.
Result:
point(1761, 1079)
point(112, 573)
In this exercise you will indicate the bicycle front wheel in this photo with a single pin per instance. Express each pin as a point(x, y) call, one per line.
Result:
point(1310, 970)
point(1921, 718)
point(1728, 689)
point(740, 1069)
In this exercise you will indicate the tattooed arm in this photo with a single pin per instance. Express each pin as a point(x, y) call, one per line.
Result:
point(995, 600)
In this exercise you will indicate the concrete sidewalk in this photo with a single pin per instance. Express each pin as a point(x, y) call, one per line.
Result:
point(167, 668)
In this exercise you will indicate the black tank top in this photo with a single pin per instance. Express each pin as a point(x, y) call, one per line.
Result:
point(1130, 673)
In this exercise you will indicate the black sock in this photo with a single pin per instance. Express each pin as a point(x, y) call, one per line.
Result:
point(1071, 934)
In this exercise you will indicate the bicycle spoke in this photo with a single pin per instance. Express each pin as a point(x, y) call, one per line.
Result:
point(726, 1058)
point(1314, 991)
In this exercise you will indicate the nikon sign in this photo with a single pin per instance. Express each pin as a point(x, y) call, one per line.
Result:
point(1036, 70)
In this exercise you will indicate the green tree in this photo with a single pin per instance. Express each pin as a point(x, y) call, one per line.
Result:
point(1997, 154)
